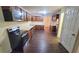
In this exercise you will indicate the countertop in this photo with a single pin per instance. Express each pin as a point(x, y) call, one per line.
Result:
point(4, 26)
point(24, 26)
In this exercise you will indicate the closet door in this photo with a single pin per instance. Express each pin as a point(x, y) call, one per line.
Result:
point(70, 28)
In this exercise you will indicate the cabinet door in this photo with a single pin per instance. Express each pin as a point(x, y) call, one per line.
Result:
point(39, 27)
point(30, 34)
point(7, 13)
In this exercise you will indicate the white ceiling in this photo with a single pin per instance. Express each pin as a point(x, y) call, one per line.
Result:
point(35, 10)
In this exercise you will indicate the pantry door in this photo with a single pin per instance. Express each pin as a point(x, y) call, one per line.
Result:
point(70, 28)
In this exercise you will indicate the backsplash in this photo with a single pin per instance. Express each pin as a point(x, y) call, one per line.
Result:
point(10, 24)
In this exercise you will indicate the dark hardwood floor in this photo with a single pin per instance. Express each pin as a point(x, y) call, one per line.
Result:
point(43, 42)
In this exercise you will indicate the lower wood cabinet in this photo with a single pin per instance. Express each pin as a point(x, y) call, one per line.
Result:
point(39, 27)
point(30, 34)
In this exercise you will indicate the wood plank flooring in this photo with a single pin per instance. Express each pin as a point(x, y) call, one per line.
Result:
point(43, 42)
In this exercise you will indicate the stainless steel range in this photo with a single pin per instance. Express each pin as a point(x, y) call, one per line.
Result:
point(17, 39)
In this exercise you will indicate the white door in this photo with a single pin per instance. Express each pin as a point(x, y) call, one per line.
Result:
point(70, 28)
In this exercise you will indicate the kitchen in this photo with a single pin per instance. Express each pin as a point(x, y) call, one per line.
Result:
point(29, 25)
point(32, 22)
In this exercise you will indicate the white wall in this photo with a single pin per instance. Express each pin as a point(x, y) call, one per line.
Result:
point(76, 48)
point(4, 43)
point(1, 15)
point(60, 24)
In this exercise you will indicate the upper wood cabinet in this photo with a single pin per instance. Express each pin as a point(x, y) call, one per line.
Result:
point(14, 13)
point(7, 13)
point(19, 14)
point(36, 18)
point(28, 17)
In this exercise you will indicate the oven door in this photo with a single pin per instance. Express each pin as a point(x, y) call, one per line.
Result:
point(14, 37)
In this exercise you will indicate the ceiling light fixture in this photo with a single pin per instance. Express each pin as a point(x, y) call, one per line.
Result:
point(43, 12)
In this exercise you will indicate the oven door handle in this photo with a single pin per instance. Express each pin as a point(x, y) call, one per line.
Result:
point(24, 35)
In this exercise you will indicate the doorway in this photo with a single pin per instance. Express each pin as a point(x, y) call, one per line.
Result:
point(55, 24)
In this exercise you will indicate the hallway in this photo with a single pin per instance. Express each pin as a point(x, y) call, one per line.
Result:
point(43, 42)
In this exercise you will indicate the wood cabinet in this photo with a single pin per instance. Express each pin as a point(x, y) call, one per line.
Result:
point(19, 14)
point(31, 32)
point(39, 27)
point(7, 13)
point(36, 18)
point(14, 13)
point(28, 17)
